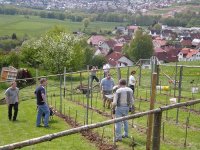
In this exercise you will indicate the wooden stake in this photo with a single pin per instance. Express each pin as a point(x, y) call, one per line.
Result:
point(150, 117)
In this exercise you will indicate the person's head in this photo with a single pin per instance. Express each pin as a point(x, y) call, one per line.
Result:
point(43, 81)
point(93, 67)
point(13, 84)
point(122, 82)
point(133, 72)
point(108, 76)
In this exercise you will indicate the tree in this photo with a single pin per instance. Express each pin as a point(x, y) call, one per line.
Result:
point(157, 27)
point(56, 50)
point(86, 22)
point(141, 47)
point(98, 60)
point(13, 59)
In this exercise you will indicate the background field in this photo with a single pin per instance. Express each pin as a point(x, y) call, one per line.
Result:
point(35, 26)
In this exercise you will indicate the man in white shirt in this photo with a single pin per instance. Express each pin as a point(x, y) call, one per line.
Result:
point(132, 80)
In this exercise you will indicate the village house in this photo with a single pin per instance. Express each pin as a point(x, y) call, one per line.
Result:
point(116, 59)
point(96, 40)
point(108, 45)
point(187, 54)
point(166, 53)
point(159, 42)
point(132, 29)
point(186, 42)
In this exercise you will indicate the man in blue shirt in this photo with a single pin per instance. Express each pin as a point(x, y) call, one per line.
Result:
point(40, 94)
point(106, 85)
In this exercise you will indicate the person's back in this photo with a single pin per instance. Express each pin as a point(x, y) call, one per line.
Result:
point(125, 95)
point(123, 100)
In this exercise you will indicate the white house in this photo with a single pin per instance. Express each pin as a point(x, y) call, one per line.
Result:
point(196, 42)
point(117, 59)
point(187, 54)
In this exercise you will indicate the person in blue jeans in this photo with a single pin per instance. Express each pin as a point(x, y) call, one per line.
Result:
point(123, 101)
point(42, 106)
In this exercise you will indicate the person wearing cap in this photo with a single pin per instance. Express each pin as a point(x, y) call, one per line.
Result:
point(43, 108)
point(132, 81)
point(12, 99)
point(106, 69)
point(122, 102)
point(106, 86)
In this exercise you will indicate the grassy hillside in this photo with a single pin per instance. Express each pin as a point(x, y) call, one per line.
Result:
point(173, 135)
point(34, 25)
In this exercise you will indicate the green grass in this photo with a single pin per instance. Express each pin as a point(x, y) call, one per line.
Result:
point(25, 129)
point(35, 26)
point(174, 133)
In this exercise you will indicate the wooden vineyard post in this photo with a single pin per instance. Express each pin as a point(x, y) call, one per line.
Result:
point(156, 131)
point(150, 117)
point(64, 80)
point(140, 75)
point(179, 91)
point(60, 93)
point(127, 77)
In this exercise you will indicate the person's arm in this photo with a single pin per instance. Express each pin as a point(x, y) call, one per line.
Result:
point(43, 95)
point(18, 94)
point(7, 97)
point(114, 103)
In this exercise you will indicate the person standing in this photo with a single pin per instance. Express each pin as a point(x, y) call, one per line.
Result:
point(12, 99)
point(106, 86)
point(132, 80)
point(122, 102)
point(106, 69)
point(42, 106)
point(93, 74)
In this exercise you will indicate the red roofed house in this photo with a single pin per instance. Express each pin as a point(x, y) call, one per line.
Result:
point(117, 59)
point(187, 54)
point(107, 45)
point(96, 40)
point(166, 53)
point(132, 29)
point(158, 42)
point(186, 42)
point(118, 48)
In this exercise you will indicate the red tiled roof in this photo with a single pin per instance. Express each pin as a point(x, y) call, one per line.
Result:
point(95, 39)
point(111, 43)
point(113, 58)
point(158, 50)
point(132, 27)
point(159, 42)
point(189, 52)
point(186, 42)
point(118, 47)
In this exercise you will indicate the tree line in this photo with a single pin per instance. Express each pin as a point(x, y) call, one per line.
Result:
point(185, 19)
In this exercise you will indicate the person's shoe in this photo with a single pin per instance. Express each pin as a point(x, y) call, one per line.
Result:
point(118, 140)
point(124, 136)
point(15, 120)
point(47, 126)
